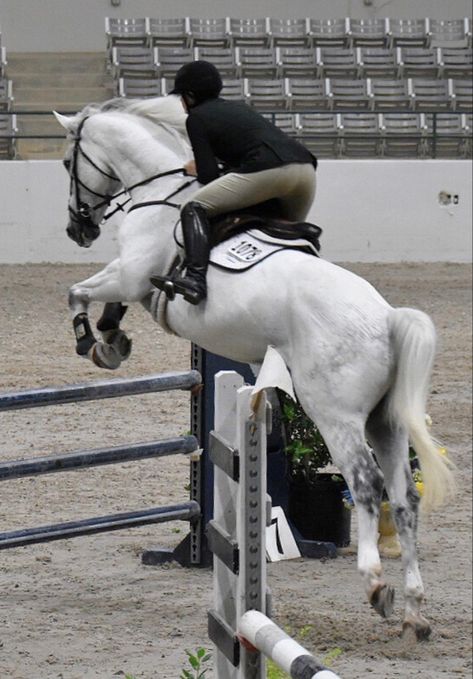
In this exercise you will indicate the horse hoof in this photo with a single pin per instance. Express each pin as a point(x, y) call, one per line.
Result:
point(119, 341)
point(418, 629)
point(105, 356)
point(382, 600)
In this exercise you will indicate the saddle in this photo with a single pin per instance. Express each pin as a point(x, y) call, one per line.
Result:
point(263, 217)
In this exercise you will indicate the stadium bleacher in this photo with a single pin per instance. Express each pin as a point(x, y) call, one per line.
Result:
point(348, 87)
point(382, 82)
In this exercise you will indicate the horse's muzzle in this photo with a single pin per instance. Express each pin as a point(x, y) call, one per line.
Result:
point(83, 232)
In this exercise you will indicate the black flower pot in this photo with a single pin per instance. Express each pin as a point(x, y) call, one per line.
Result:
point(317, 510)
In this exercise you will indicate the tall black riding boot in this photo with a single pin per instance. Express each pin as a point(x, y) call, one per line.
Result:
point(195, 230)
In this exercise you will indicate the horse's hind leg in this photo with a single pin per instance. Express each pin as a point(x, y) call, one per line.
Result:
point(345, 438)
point(391, 448)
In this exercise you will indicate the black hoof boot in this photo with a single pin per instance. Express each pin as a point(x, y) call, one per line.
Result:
point(85, 339)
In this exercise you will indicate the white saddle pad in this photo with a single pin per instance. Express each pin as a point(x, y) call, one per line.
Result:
point(244, 250)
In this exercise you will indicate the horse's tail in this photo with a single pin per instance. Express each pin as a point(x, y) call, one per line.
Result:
point(413, 340)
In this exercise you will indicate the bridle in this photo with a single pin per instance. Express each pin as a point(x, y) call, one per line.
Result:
point(82, 229)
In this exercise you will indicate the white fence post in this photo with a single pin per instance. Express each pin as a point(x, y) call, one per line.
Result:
point(237, 538)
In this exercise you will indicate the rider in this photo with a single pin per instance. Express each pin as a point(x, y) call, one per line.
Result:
point(261, 161)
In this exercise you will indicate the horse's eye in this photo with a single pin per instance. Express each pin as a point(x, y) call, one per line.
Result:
point(67, 164)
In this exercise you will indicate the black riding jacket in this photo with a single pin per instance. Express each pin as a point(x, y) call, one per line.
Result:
point(242, 139)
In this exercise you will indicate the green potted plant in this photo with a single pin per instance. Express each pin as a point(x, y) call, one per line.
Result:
point(319, 502)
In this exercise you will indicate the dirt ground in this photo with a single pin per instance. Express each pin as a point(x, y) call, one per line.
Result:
point(88, 609)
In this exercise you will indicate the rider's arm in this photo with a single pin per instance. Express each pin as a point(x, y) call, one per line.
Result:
point(206, 163)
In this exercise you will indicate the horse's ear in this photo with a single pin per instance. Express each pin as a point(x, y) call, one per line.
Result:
point(66, 121)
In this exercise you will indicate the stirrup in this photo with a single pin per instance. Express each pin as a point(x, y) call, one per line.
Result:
point(165, 284)
point(178, 286)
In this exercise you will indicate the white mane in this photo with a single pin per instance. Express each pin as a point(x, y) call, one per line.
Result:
point(167, 113)
point(165, 110)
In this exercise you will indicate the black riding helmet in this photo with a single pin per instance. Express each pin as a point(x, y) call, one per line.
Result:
point(199, 78)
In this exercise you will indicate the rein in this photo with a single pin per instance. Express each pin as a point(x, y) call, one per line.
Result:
point(165, 201)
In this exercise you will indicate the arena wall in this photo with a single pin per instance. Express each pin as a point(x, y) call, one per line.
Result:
point(78, 25)
point(371, 211)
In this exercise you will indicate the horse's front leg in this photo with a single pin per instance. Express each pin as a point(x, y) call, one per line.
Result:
point(116, 346)
point(109, 327)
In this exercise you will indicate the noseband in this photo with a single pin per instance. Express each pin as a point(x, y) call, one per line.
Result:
point(82, 229)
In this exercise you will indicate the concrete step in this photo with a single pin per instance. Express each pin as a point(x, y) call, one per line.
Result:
point(28, 79)
point(65, 82)
point(44, 149)
point(51, 62)
point(40, 124)
point(61, 95)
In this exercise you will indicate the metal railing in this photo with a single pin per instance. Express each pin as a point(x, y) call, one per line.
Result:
point(432, 135)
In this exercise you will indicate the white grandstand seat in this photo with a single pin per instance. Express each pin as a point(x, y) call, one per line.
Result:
point(446, 135)
point(418, 62)
point(140, 88)
point(289, 32)
point(125, 32)
point(450, 32)
point(349, 94)
point(135, 61)
point(250, 32)
point(222, 57)
point(389, 94)
point(288, 122)
point(428, 94)
point(170, 59)
point(296, 62)
point(329, 32)
point(174, 32)
point(267, 94)
point(408, 33)
point(210, 32)
point(376, 62)
point(469, 134)
point(3, 60)
point(403, 135)
point(307, 94)
point(235, 89)
point(319, 132)
point(6, 94)
point(8, 130)
point(336, 62)
point(461, 95)
point(360, 135)
point(455, 62)
point(372, 32)
point(256, 62)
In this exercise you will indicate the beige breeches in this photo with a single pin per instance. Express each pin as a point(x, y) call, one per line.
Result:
point(293, 185)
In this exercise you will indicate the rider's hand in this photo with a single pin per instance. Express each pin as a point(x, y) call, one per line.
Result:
point(190, 168)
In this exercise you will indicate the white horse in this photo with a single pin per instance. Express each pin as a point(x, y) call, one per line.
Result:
point(359, 367)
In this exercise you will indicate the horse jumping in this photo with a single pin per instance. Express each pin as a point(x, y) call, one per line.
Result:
point(359, 367)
